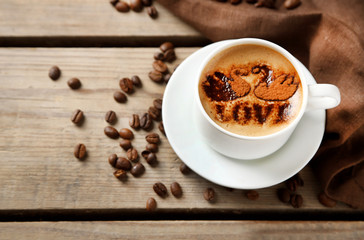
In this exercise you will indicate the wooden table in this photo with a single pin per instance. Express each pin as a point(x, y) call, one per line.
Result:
point(46, 193)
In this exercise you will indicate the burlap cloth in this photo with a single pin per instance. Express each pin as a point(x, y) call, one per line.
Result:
point(327, 36)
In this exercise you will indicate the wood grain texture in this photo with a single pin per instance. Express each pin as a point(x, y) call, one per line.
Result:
point(37, 166)
point(183, 230)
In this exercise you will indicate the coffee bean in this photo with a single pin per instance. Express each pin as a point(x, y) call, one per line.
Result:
point(74, 83)
point(132, 154)
point(125, 144)
point(299, 180)
point(126, 133)
point(123, 163)
point(113, 2)
point(120, 174)
point(209, 195)
point(265, 3)
point(137, 170)
point(111, 132)
point(176, 190)
point(235, 2)
point(293, 182)
point(160, 189)
point(158, 56)
point(166, 46)
point(151, 158)
point(136, 81)
point(161, 128)
point(158, 103)
point(291, 4)
point(154, 113)
point(120, 97)
point(147, 3)
point(54, 73)
point(170, 55)
point(146, 122)
point(110, 117)
point(155, 76)
point(136, 5)
point(152, 147)
point(151, 205)
point(77, 116)
point(229, 189)
point(134, 121)
point(152, 12)
point(326, 200)
point(252, 195)
point(167, 77)
point(160, 66)
point(152, 138)
point(112, 159)
point(184, 169)
point(283, 195)
point(145, 153)
point(80, 151)
point(296, 200)
point(126, 85)
point(122, 6)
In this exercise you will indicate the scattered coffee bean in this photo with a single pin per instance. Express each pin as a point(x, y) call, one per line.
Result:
point(145, 153)
point(166, 46)
point(209, 195)
point(122, 6)
point(154, 113)
point(326, 200)
point(120, 174)
point(265, 3)
point(291, 4)
point(74, 83)
point(170, 55)
point(152, 138)
point(152, 12)
point(137, 170)
point(252, 195)
point(77, 116)
point(132, 154)
point(160, 66)
point(160, 189)
point(176, 190)
point(296, 200)
point(293, 182)
point(134, 121)
point(136, 5)
point(151, 159)
point(120, 97)
point(235, 2)
point(136, 81)
point(110, 117)
point(146, 122)
point(112, 159)
point(151, 205)
point(158, 103)
point(126, 85)
point(111, 132)
point(155, 76)
point(158, 56)
point(125, 144)
point(283, 195)
point(126, 133)
point(80, 151)
point(54, 73)
point(123, 163)
point(113, 2)
point(167, 77)
point(161, 128)
point(147, 3)
point(152, 147)
point(184, 169)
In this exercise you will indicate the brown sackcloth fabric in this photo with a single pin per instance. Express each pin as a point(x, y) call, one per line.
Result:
point(328, 37)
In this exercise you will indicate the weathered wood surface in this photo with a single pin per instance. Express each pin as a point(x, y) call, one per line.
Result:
point(37, 166)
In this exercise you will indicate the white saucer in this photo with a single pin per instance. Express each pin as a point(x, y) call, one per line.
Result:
point(179, 124)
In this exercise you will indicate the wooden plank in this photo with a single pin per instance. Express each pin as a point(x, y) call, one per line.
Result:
point(37, 166)
point(183, 230)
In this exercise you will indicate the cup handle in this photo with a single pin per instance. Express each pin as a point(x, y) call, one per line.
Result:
point(322, 96)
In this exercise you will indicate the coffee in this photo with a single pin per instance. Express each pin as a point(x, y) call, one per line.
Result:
point(250, 90)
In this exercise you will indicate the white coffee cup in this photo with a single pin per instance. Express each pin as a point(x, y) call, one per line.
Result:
point(315, 96)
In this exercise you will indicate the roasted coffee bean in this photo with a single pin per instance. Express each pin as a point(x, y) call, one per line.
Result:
point(299, 180)
point(80, 151)
point(158, 56)
point(137, 170)
point(147, 3)
point(122, 6)
point(132, 154)
point(235, 2)
point(265, 3)
point(151, 205)
point(152, 12)
point(167, 77)
point(296, 200)
point(160, 189)
point(294, 182)
point(77, 116)
point(166, 46)
point(120, 174)
point(155, 76)
point(176, 190)
point(126, 133)
point(136, 81)
point(160, 66)
point(152, 138)
point(125, 144)
point(74, 83)
point(123, 163)
point(209, 195)
point(145, 153)
point(146, 122)
point(291, 4)
point(326, 200)
point(170, 55)
point(112, 159)
point(151, 158)
point(54, 73)
point(161, 128)
point(113, 2)
point(111, 132)
point(154, 113)
point(110, 117)
point(158, 103)
point(120, 97)
point(252, 195)
point(184, 169)
point(136, 5)
point(152, 147)
point(134, 121)
point(283, 195)
point(126, 85)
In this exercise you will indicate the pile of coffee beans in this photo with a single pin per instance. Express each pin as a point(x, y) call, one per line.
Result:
point(160, 72)
point(136, 6)
point(288, 194)
point(288, 4)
